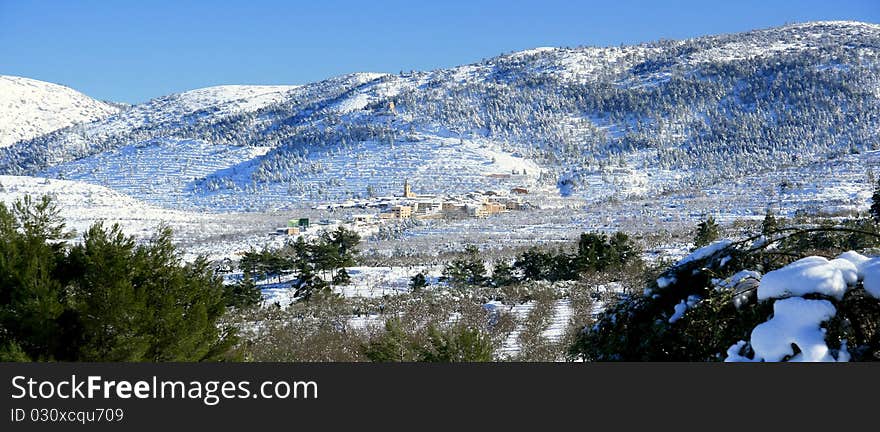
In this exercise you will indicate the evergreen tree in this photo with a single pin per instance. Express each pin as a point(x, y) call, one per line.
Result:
point(110, 304)
point(313, 262)
point(344, 241)
point(105, 299)
point(562, 267)
point(466, 270)
point(250, 262)
point(460, 344)
point(417, 282)
point(621, 249)
point(32, 300)
point(307, 282)
point(341, 277)
point(770, 224)
point(324, 256)
point(243, 293)
point(534, 264)
point(391, 346)
point(271, 263)
point(140, 303)
point(875, 203)
point(707, 232)
point(592, 251)
point(502, 274)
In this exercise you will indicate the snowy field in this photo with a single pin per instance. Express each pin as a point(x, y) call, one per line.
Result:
point(366, 282)
point(82, 204)
point(835, 187)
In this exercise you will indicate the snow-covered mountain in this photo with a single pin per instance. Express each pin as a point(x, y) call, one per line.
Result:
point(30, 108)
point(592, 122)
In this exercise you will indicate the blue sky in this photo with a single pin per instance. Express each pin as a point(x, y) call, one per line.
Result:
point(132, 51)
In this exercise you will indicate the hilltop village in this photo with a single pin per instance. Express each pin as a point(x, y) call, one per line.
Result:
point(426, 206)
point(411, 205)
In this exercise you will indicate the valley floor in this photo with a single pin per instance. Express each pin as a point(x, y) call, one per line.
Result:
point(538, 328)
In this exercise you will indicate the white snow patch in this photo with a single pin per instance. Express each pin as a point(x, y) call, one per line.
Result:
point(30, 108)
point(705, 251)
point(733, 353)
point(869, 271)
point(366, 321)
point(854, 257)
point(562, 312)
point(795, 322)
point(510, 347)
point(680, 309)
point(83, 204)
point(810, 275)
point(743, 283)
point(662, 282)
point(759, 242)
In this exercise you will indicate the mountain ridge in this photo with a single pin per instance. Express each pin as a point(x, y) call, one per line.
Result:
point(30, 108)
point(710, 107)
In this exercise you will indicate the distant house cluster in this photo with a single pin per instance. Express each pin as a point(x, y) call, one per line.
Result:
point(296, 226)
point(416, 206)
point(472, 204)
point(304, 225)
point(428, 206)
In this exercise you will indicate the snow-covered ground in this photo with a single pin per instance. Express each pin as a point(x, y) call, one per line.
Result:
point(731, 50)
point(82, 204)
point(432, 164)
point(218, 102)
point(560, 322)
point(162, 172)
point(366, 282)
point(510, 348)
point(148, 151)
point(149, 170)
point(30, 108)
point(168, 172)
point(382, 281)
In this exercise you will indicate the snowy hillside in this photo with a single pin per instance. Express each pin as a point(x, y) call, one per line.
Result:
point(667, 117)
point(82, 204)
point(216, 102)
point(30, 108)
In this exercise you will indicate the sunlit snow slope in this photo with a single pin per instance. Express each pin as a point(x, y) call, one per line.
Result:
point(30, 108)
point(665, 118)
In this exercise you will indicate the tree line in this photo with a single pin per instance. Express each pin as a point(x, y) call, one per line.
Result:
point(106, 298)
point(594, 252)
point(316, 264)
